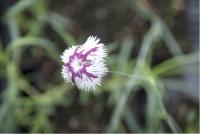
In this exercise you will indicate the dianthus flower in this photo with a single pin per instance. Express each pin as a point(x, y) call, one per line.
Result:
point(84, 65)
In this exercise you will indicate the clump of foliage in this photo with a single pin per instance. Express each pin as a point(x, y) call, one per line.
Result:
point(30, 102)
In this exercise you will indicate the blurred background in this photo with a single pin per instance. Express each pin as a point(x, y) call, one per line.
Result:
point(153, 84)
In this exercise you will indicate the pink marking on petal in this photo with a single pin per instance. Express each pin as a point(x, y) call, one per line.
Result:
point(85, 61)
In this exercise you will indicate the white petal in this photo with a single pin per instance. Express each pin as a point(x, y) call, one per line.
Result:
point(96, 53)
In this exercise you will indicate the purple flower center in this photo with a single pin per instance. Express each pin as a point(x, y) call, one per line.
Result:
point(78, 62)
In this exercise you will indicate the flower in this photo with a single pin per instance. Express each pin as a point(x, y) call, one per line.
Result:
point(84, 65)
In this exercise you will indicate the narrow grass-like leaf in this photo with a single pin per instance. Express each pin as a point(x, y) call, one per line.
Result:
point(19, 6)
point(59, 28)
point(34, 41)
point(170, 41)
point(169, 65)
point(125, 51)
point(149, 39)
point(131, 121)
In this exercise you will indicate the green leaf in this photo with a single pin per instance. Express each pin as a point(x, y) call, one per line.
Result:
point(22, 42)
point(177, 62)
point(60, 29)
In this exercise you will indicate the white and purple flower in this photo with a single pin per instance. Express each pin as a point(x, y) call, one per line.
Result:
point(84, 65)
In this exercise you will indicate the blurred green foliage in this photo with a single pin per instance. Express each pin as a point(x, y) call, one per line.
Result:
point(33, 110)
